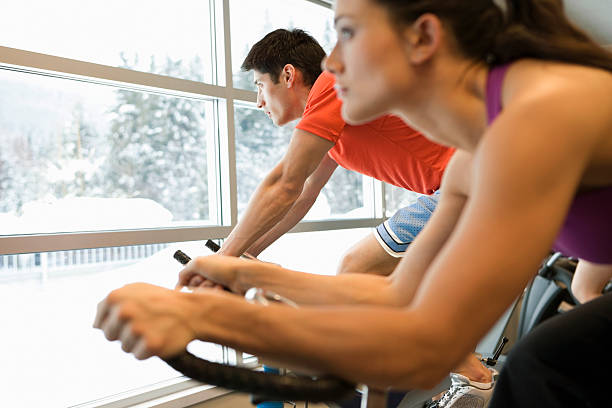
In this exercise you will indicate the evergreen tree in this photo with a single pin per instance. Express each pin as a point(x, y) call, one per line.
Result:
point(23, 169)
point(73, 168)
point(158, 148)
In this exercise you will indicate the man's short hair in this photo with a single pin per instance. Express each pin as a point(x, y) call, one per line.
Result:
point(281, 47)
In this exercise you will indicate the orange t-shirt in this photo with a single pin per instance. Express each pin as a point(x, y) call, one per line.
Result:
point(386, 148)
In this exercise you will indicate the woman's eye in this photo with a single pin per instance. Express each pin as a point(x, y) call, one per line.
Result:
point(346, 33)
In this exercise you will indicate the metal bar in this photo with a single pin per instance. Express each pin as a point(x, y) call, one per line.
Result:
point(328, 225)
point(228, 177)
point(66, 68)
point(21, 244)
point(325, 3)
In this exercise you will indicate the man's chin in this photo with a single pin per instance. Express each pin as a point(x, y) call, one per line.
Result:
point(281, 122)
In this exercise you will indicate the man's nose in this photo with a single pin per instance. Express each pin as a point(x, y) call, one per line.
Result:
point(260, 101)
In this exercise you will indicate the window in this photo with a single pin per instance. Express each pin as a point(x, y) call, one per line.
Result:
point(256, 19)
point(396, 198)
point(316, 252)
point(260, 145)
point(146, 35)
point(49, 343)
point(83, 157)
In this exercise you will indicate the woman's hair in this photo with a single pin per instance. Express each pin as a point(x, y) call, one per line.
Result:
point(500, 31)
point(280, 47)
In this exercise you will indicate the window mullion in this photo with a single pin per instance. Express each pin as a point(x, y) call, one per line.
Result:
point(228, 144)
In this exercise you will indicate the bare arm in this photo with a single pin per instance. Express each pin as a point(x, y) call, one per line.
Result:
point(590, 280)
point(315, 182)
point(303, 288)
point(278, 191)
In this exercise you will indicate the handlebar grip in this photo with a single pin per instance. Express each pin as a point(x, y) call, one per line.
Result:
point(213, 246)
point(273, 387)
point(181, 257)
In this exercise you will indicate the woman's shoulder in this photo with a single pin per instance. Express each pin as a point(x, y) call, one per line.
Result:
point(536, 78)
point(564, 92)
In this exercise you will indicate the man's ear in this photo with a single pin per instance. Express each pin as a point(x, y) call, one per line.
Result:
point(289, 75)
point(423, 38)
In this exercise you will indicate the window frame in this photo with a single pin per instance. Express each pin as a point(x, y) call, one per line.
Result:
point(222, 171)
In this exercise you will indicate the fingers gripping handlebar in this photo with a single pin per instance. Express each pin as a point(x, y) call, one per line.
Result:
point(267, 386)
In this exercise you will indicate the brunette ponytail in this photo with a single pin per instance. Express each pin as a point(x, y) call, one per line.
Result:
point(540, 29)
point(501, 31)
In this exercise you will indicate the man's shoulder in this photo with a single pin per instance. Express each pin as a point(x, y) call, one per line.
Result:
point(323, 85)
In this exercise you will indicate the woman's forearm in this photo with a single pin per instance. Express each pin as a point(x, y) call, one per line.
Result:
point(351, 342)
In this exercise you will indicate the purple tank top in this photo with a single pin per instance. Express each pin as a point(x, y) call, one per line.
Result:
point(587, 230)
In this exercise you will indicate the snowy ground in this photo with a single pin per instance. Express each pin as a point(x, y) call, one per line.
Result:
point(51, 357)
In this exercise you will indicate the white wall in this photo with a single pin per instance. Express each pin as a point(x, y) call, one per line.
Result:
point(594, 16)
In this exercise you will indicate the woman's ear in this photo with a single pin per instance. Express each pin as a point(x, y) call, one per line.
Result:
point(423, 38)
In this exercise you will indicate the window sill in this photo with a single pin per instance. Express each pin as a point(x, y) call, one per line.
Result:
point(177, 393)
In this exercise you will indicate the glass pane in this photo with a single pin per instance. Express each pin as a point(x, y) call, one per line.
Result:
point(397, 197)
point(317, 252)
point(315, 19)
point(52, 346)
point(344, 195)
point(80, 157)
point(157, 36)
point(259, 147)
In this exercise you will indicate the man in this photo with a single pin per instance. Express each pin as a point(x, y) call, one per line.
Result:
point(290, 85)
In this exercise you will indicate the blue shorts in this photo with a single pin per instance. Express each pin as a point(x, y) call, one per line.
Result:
point(395, 234)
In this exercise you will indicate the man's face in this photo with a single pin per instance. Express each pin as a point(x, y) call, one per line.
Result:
point(274, 98)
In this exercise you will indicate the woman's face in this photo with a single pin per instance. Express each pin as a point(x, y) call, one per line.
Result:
point(369, 61)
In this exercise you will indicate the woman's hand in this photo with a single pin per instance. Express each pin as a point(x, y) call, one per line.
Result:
point(213, 271)
point(148, 320)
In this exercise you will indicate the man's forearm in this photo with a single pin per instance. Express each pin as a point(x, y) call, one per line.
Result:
point(267, 207)
point(293, 216)
point(311, 289)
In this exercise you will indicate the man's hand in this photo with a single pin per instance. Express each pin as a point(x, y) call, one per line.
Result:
point(148, 320)
point(213, 271)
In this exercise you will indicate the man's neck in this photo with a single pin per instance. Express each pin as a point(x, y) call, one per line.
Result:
point(302, 95)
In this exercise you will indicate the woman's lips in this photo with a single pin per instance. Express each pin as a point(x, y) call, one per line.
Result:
point(341, 90)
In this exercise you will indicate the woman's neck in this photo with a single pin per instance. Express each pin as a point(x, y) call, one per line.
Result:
point(450, 107)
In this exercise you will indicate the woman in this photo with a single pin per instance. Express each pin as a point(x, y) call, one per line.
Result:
point(509, 189)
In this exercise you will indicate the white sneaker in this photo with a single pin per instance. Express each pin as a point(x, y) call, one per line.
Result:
point(465, 393)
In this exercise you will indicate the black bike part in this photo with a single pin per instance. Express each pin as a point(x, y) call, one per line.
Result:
point(269, 386)
point(181, 257)
point(550, 287)
point(213, 246)
point(184, 258)
point(492, 361)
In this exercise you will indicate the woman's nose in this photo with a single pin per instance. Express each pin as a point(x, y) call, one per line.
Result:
point(331, 62)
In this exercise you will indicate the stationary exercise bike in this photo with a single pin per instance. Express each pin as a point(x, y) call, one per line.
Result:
point(549, 293)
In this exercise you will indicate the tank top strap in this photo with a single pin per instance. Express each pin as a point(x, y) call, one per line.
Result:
point(495, 80)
